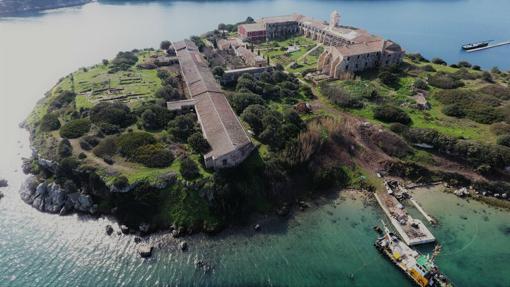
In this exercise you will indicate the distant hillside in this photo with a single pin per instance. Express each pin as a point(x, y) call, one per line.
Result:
point(15, 6)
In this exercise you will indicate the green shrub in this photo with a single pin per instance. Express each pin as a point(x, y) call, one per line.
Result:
point(421, 84)
point(64, 148)
point(153, 155)
point(62, 100)
point(253, 116)
point(189, 169)
point(198, 143)
point(504, 140)
point(438, 61)
point(327, 175)
point(479, 108)
point(128, 143)
point(168, 93)
point(472, 152)
point(454, 110)
point(155, 117)
point(66, 169)
point(464, 64)
point(388, 78)
point(398, 128)
point(218, 71)
point(428, 68)
point(75, 128)
point(182, 127)
point(498, 91)
point(165, 45)
point(108, 129)
point(106, 147)
point(88, 142)
point(444, 81)
point(108, 114)
point(241, 101)
point(500, 128)
point(340, 96)
point(391, 114)
point(121, 182)
point(49, 122)
point(123, 61)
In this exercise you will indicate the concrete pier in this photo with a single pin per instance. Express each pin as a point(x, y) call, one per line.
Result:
point(411, 235)
point(420, 209)
point(490, 46)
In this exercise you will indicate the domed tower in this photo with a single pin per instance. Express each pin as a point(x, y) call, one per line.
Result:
point(334, 19)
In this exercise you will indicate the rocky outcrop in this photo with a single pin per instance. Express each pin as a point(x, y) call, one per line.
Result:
point(53, 198)
point(145, 250)
point(3, 183)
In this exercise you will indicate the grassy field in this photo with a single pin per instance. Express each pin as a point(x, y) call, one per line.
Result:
point(433, 118)
point(277, 52)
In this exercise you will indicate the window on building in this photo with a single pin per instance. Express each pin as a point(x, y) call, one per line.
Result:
point(224, 162)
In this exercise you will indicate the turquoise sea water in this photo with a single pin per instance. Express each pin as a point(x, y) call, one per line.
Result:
point(321, 247)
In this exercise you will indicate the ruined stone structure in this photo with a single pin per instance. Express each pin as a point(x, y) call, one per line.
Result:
point(250, 58)
point(348, 49)
point(230, 144)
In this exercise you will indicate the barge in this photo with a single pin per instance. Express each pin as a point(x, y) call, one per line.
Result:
point(418, 267)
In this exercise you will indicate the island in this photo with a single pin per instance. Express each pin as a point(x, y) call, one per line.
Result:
point(11, 7)
point(259, 117)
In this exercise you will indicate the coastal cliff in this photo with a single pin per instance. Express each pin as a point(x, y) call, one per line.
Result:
point(10, 7)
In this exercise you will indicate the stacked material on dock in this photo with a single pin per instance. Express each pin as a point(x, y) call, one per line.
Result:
point(412, 230)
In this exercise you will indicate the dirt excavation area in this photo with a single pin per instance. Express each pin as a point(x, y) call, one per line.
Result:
point(374, 147)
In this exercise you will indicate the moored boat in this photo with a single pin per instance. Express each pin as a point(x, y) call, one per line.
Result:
point(476, 45)
point(418, 267)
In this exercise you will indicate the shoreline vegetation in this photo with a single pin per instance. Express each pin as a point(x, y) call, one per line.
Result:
point(105, 143)
point(14, 7)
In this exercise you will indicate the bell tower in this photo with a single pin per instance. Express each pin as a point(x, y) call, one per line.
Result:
point(334, 19)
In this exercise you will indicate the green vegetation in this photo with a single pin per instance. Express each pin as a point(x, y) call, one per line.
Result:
point(153, 155)
point(129, 143)
point(49, 122)
point(391, 114)
point(75, 128)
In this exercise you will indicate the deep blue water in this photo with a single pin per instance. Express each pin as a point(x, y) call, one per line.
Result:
point(322, 247)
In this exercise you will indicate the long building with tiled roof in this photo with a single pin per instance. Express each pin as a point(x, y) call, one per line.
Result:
point(230, 144)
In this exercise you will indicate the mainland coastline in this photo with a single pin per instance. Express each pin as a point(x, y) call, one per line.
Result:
point(10, 8)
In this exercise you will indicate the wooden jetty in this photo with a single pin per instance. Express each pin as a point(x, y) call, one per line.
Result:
point(489, 47)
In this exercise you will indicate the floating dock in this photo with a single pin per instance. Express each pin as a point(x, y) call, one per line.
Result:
point(411, 230)
point(489, 47)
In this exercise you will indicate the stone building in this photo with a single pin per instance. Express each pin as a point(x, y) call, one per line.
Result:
point(347, 49)
point(229, 43)
point(230, 144)
point(250, 58)
point(254, 33)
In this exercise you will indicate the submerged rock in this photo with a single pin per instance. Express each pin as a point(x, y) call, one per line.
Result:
point(183, 246)
point(109, 229)
point(124, 229)
point(145, 250)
